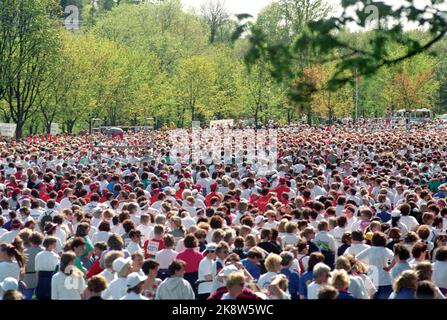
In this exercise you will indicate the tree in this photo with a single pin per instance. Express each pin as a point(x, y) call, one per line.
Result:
point(216, 16)
point(31, 42)
point(323, 36)
point(283, 20)
point(195, 84)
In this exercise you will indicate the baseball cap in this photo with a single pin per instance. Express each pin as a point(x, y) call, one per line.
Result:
point(134, 279)
point(9, 283)
point(119, 263)
point(211, 247)
point(395, 214)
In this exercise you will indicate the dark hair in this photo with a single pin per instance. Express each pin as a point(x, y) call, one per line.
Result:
point(190, 242)
point(401, 251)
point(314, 258)
point(78, 241)
point(357, 235)
point(418, 249)
point(426, 290)
point(12, 251)
point(104, 226)
point(97, 284)
point(441, 254)
point(82, 229)
point(176, 265)
point(149, 265)
point(379, 239)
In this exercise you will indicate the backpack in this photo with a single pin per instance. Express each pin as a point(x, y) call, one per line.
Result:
point(47, 217)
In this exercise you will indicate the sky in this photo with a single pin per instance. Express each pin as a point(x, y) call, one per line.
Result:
point(253, 7)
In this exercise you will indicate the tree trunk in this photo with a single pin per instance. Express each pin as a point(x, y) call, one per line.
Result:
point(309, 117)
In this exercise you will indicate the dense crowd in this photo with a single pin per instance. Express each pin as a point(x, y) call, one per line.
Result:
point(347, 212)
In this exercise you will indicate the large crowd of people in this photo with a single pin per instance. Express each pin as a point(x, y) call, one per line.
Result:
point(347, 212)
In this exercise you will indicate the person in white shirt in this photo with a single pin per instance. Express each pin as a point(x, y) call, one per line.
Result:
point(382, 260)
point(68, 273)
point(108, 273)
point(205, 277)
point(135, 284)
point(340, 229)
point(321, 274)
point(273, 266)
point(410, 222)
point(103, 233)
point(357, 244)
point(439, 276)
point(135, 242)
point(167, 255)
point(45, 264)
point(325, 241)
point(145, 227)
point(11, 262)
point(9, 236)
point(290, 237)
point(117, 288)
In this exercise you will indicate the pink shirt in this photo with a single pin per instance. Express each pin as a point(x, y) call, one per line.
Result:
point(192, 257)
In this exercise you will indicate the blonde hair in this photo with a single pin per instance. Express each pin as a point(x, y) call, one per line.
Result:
point(423, 270)
point(282, 225)
point(112, 256)
point(405, 280)
point(235, 278)
point(272, 262)
point(250, 240)
point(340, 279)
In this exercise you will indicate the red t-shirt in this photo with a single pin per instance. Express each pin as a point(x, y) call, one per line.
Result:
point(147, 254)
point(192, 257)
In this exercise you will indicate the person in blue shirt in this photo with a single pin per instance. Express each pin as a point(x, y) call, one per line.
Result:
point(384, 215)
point(405, 286)
point(293, 277)
point(253, 262)
point(308, 276)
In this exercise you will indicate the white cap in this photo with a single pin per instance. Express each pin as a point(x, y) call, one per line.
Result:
point(134, 279)
point(9, 283)
point(395, 214)
point(259, 219)
point(227, 270)
point(119, 263)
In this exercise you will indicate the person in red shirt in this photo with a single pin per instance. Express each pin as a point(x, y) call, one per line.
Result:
point(179, 193)
point(192, 258)
point(43, 194)
point(281, 188)
point(148, 248)
point(154, 196)
point(213, 194)
point(264, 199)
point(12, 182)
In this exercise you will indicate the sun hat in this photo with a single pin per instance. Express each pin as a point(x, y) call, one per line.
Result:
point(119, 263)
point(134, 279)
point(9, 283)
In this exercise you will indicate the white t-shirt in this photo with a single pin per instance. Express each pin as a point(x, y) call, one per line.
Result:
point(46, 261)
point(312, 291)
point(9, 236)
point(410, 222)
point(205, 268)
point(65, 287)
point(134, 247)
point(267, 278)
point(116, 290)
point(356, 248)
point(439, 276)
point(378, 257)
point(134, 296)
point(108, 275)
point(165, 257)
